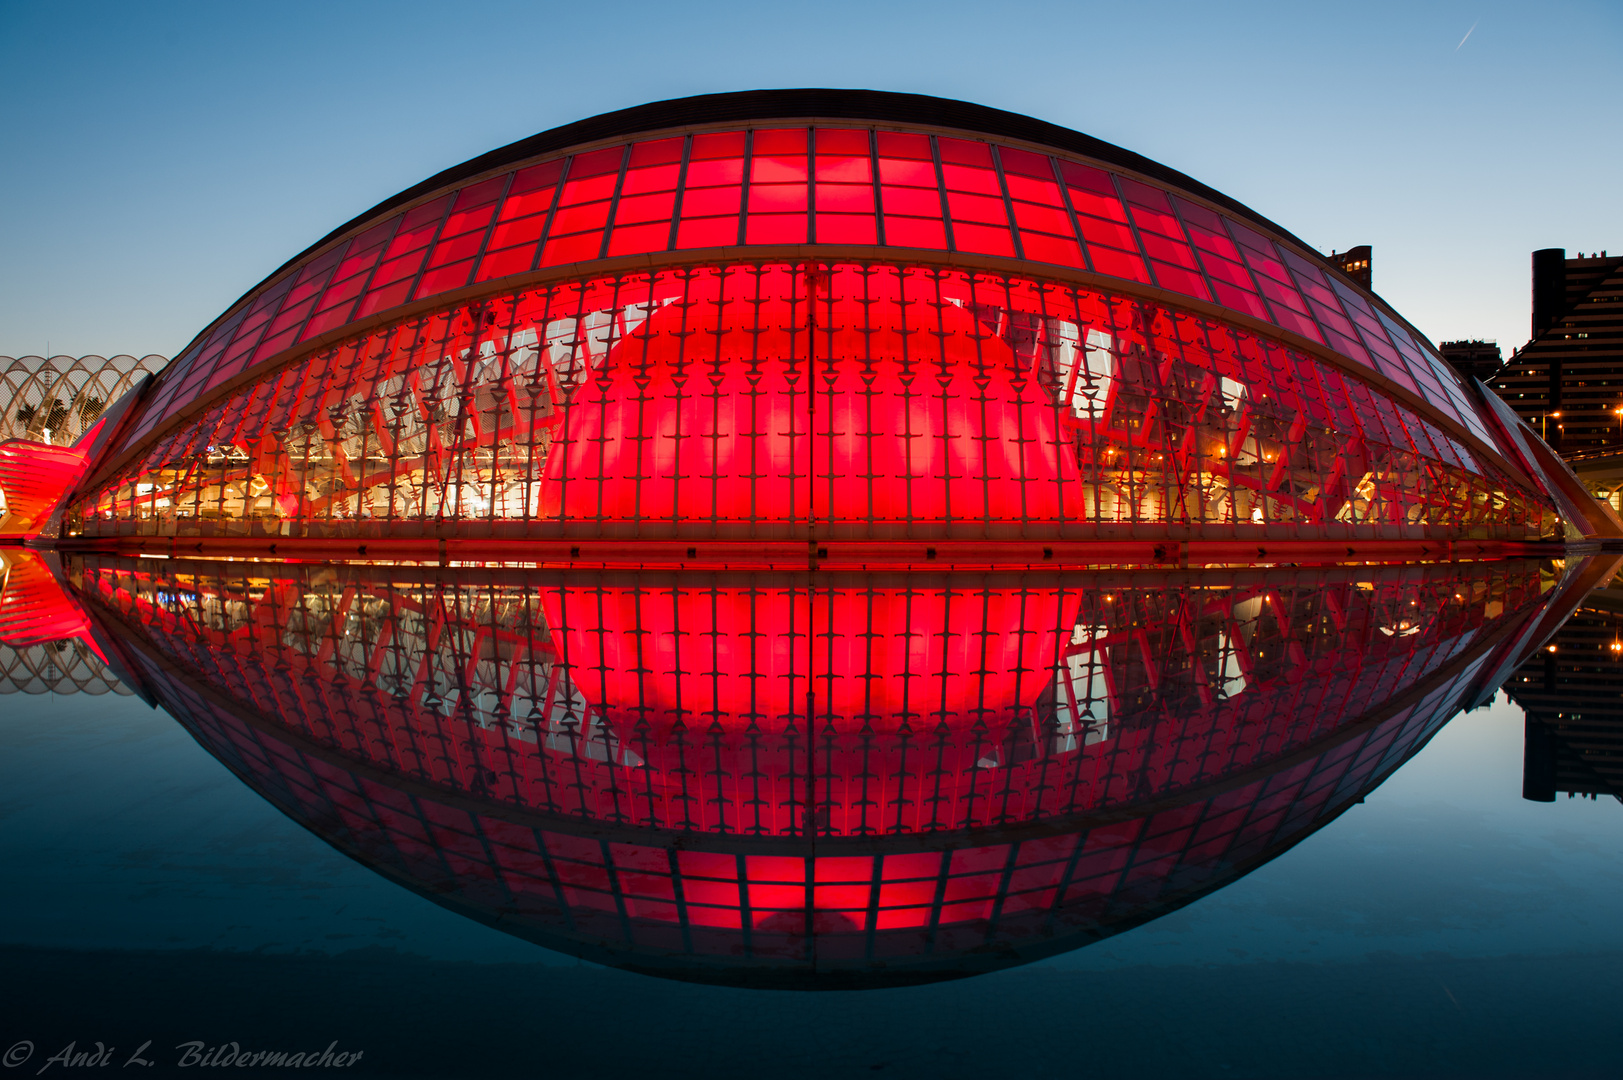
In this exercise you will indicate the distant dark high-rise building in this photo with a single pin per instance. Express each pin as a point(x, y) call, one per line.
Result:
point(1568, 691)
point(1568, 380)
point(1478, 359)
point(1354, 262)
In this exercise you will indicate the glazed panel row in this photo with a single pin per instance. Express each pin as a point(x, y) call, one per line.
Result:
point(680, 703)
point(800, 186)
point(754, 401)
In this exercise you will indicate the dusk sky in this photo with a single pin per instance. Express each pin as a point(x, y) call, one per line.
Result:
point(161, 159)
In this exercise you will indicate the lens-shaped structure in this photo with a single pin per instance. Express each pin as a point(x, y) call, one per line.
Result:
point(814, 780)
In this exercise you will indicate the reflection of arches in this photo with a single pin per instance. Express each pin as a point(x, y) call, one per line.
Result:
point(64, 395)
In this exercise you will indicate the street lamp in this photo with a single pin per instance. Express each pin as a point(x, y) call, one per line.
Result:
point(1618, 412)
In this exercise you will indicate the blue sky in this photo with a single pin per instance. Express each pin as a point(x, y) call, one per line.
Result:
point(160, 159)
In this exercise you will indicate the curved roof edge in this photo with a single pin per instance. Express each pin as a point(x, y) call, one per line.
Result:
point(812, 102)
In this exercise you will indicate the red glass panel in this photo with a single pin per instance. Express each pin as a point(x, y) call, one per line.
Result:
point(1144, 195)
point(1048, 219)
point(982, 239)
point(707, 232)
point(1117, 263)
point(1232, 273)
point(1240, 300)
point(908, 173)
point(1042, 247)
point(1095, 231)
point(637, 239)
point(777, 198)
point(845, 198)
point(1154, 221)
point(479, 194)
point(977, 181)
point(574, 219)
point(775, 229)
point(1283, 296)
point(981, 209)
point(638, 209)
point(847, 229)
point(398, 269)
point(446, 277)
point(468, 221)
point(497, 264)
point(326, 320)
point(456, 248)
point(429, 213)
point(1178, 279)
point(524, 231)
point(291, 317)
point(1023, 163)
point(357, 263)
point(381, 299)
point(1291, 320)
point(1159, 247)
point(915, 232)
point(406, 242)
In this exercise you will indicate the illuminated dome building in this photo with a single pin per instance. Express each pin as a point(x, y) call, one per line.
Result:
point(837, 317)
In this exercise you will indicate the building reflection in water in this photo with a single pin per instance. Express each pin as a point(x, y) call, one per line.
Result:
point(1571, 691)
point(805, 780)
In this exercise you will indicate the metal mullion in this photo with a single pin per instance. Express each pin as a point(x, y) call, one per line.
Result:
point(366, 286)
point(614, 202)
point(1008, 202)
point(1256, 286)
point(681, 186)
point(428, 251)
point(552, 212)
point(811, 184)
point(490, 228)
point(1127, 209)
point(1200, 264)
point(941, 191)
point(744, 183)
point(878, 204)
point(1070, 209)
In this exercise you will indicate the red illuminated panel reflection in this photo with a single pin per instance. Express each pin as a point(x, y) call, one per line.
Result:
point(381, 707)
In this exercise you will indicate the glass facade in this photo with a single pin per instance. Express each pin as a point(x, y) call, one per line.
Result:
point(1001, 766)
point(857, 400)
point(782, 186)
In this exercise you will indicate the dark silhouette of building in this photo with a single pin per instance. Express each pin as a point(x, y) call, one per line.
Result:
point(1354, 262)
point(1476, 359)
point(1569, 692)
point(1568, 380)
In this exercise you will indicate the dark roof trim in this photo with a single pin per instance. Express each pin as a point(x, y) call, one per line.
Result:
point(749, 106)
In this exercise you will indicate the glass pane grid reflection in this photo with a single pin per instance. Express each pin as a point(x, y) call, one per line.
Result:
point(527, 738)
